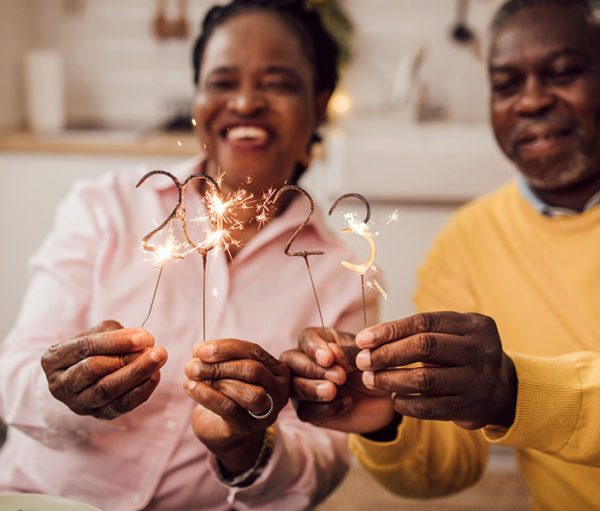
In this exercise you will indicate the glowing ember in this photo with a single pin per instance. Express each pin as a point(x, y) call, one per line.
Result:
point(393, 217)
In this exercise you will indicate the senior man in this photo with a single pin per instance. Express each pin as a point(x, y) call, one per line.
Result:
point(518, 362)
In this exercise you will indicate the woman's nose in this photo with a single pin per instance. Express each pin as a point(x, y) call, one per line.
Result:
point(535, 98)
point(247, 102)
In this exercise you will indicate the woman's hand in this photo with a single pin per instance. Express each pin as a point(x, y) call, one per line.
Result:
point(327, 388)
point(231, 380)
point(104, 372)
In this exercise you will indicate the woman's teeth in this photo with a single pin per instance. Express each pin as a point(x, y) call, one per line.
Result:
point(246, 133)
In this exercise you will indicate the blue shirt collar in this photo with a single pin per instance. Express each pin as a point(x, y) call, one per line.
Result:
point(546, 209)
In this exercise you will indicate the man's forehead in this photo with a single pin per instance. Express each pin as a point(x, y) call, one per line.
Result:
point(542, 31)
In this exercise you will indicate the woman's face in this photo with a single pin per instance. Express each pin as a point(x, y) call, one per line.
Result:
point(255, 106)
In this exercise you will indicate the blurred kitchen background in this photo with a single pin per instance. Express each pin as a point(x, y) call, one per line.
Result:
point(89, 86)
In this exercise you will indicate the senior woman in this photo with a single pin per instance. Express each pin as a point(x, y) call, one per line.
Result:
point(105, 419)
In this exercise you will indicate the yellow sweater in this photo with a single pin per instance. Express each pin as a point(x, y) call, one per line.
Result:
point(539, 278)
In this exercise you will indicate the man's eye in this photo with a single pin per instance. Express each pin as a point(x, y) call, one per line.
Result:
point(566, 75)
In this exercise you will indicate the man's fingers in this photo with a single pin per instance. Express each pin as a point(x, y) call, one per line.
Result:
point(441, 322)
point(250, 397)
point(303, 389)
point(67, 353)
point(302, 366)
point(233, 349)
point(443, 408)
point(89, 370)
point(131, 400)
point(427, 381)
point(432, 348)
point(113, 386)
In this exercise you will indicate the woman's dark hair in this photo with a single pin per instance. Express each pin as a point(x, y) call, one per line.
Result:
point(509, 8)
point(317, 43)
point(320, 47)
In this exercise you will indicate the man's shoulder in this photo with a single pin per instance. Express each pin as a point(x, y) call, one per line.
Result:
point(486, 207)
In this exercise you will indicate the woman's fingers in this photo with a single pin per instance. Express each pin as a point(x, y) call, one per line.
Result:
point(114, 385)
point(89, 370)
point(130, 400)
point(229, 350)
point(215, 401)
point(68, 353)
point(252, 398)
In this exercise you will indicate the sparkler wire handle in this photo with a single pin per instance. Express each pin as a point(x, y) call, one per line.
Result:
point(176, 213)
point(303, 253)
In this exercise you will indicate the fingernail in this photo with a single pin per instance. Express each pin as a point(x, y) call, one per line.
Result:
point(208, 349)
point(322, 357)
point(333, 375)
point(138, 340)
point(189, 385)
point(192, 370)
point(323, 390)
point(363, 359)
point(368, 379)
point(364, 338)
point(157, 354)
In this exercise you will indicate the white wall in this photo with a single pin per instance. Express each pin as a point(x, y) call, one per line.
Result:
point(119, 74)
point(15, 35)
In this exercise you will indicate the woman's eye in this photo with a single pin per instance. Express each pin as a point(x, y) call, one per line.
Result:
point(221, 84)
point(505, 86)
point(280, 85)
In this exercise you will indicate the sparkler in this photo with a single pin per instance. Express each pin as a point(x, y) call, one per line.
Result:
point(303, 253)
point(361, 229)
point(170, 250)
point(217, 210)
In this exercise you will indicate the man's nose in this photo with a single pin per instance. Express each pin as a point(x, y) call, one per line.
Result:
point(535, 98)
point(247, 101)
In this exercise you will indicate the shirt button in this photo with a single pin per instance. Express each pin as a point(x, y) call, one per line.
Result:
point(171, 426)
point(136, 499)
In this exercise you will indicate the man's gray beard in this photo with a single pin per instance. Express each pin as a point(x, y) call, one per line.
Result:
point(563, 178)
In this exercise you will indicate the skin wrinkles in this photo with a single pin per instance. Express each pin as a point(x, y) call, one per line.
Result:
point(544, 107)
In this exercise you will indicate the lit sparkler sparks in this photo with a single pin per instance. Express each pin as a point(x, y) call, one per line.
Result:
point(303, 253)
point(361, 229)
point(393, 216)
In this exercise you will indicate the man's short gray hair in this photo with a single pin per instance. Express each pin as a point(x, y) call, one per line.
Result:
point(511, 7)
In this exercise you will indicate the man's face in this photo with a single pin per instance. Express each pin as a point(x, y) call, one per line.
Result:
point(545, 98)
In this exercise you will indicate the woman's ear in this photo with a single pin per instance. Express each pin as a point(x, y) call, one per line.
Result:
point(321, 102)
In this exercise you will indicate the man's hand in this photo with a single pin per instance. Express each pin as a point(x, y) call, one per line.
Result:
point(229, 378)
point(104, 372)
point(327, 390)
point(465, 377)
